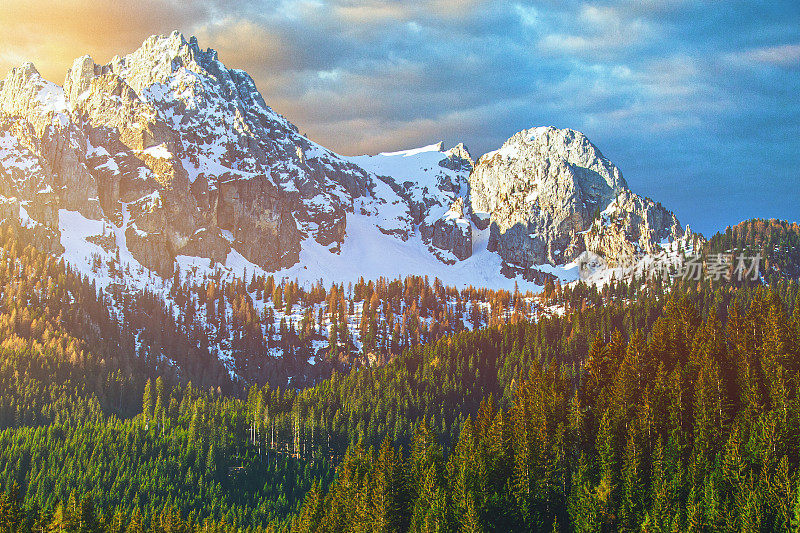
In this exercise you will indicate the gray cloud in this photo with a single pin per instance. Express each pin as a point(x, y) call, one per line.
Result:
point(692, 101)
point(786, 55)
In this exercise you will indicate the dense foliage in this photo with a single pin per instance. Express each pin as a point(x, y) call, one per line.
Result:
point(694, 427)
point(644, 405)
point(776, 241)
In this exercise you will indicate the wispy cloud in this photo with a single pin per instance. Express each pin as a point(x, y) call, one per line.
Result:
point(785, 55)
point(684, 104)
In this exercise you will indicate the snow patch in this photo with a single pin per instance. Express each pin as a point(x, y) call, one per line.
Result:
point(159, 152)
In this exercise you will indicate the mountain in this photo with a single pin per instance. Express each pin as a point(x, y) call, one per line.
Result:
point(166, 157)
point(545, 188)
point(182, 351)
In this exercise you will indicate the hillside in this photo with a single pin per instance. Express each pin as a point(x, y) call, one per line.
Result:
point(777, 243)
point(180, 161)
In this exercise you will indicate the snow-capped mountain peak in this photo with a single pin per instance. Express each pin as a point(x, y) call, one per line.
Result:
point(183, 157)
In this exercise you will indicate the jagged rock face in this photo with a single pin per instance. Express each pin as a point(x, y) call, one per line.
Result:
point(544, 188)
point(631, 226)
point(183, 157)
point(226, 133)
point(26, 196)
point(432, 182)
point(458, 159)
point(452, 232)
point(258, 216)
point(171, 120)
point(151, 156)
point(25, 94)
point(38, 112)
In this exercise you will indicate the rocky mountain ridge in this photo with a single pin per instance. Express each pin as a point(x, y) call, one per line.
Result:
point(182, 157)
point(545, 190)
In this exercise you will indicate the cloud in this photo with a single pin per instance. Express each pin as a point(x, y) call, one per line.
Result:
point(681, 102)
point(786, 56)
point(248, 45)
point(51, 33)
point(595, 32)
point(373, 12)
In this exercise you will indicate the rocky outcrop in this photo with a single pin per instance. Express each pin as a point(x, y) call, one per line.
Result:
point(77, 188)
point(452, 232)
point(544, 189)
point(152, 250)
point(26, 95)
point(184, 157)
point(458, 159)
point(171, 121)
point(207, 243)
point(39, 113)
point(631, 226)
point(117, 117)
point(258, 217)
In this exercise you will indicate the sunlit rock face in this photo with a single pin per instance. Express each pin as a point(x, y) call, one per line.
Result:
point(546, 188)
point(182, 156)
point(183, 146)
point(49, 149)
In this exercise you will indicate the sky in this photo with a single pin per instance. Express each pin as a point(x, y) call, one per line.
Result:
point(695, 101)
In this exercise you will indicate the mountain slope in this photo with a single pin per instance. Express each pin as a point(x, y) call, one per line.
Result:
point(544, 189)
point(776, 242)
point(180, 160)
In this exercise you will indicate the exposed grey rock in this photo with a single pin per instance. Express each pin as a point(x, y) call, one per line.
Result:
point(544, 188)
point(207, 243)
point(152, 250)
point(185, 156)
point(142, 125)
point(458, 158)
point(453, 232)
point(481, 220)
point(259, 218)
point(39, 110)
point(631, 226)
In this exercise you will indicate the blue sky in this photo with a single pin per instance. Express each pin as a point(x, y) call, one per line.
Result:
point(696, 102)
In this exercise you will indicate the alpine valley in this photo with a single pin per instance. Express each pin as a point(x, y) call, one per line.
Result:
point(210, 322)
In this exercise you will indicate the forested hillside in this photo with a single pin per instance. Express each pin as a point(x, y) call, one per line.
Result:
point(692, 426)
point(777, 242)
point(644, 405)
